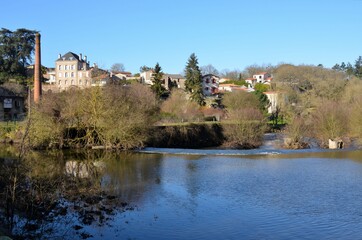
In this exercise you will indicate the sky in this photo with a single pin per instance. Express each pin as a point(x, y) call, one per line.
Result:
point(229, 34)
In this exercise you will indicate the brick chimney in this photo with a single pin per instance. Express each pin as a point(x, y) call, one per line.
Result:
point(37, 70)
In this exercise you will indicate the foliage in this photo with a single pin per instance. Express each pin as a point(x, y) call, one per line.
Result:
point(144, 68)
point(117, 67)
point(261, 87)
point(349, 69)
point(179, 108)
point(114, 116)
point(304, 87)
point(355, 118)
point(236, 82)
point(329, 121)
point(193, 83)
point(240, 99)
point(157, 87)
point(16, 49)
point(209, 69)
point(234, 75)
point(296, 130)
point(245, 123)
point(245, 129)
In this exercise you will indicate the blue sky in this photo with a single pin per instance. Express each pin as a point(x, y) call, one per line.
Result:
point(229, 34)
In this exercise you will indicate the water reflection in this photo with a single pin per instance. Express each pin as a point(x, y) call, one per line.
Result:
point(299, 194)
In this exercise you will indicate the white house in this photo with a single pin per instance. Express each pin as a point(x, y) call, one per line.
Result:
point(261, 77)
point(210, 84)
point(146, 77)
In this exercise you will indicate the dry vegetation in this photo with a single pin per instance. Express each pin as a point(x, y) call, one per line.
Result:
point(115, 117)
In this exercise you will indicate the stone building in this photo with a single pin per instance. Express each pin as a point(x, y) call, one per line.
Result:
point(12, 105)
point(72, 70)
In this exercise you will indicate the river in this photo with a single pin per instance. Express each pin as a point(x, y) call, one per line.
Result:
point(203, 194)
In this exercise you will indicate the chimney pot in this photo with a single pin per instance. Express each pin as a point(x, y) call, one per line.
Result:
point(80, 56)
point(60, 55)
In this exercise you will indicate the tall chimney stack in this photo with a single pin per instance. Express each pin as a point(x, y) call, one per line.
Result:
point(37, 70)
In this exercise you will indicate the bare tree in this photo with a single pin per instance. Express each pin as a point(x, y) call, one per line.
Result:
point(117, 67)
point(209, 69)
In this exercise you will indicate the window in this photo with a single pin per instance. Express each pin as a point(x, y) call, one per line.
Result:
point(66, 67)
point(60, 82)
point(60, 67)
point(72, 74)
point(213, 80)
point(66, 74)
point(206, 89)
point(73, 67)
point(80, 82)
point(207, 80)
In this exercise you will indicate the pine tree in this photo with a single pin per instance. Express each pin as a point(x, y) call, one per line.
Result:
point(157, 87)
point(193, 83)
point(358, 67)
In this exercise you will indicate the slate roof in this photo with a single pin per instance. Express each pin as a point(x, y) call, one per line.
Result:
point(69, 56)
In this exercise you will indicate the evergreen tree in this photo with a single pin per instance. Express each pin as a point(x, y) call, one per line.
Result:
point(349, 69)
point(343, 67)
point(16, 49)
point(157, 87)
point(358, 67)
point(193, 83)
point(336, 67)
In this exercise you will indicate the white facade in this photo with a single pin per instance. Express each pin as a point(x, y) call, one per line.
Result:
point(146, 77)
point(72, 70)
point(261, 77)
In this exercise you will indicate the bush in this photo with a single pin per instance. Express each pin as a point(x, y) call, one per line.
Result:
point(114, 116)
point(330, 121)
point(179, 108)
point(245, 129)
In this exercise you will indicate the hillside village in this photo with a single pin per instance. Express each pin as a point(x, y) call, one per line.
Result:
point(74, 97)
point(74, 71)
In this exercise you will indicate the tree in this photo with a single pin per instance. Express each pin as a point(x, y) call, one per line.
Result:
point(337, 67)
point(193, 83)
point(358, 67)
point(16, 49)
point(209, 69)
point(144, 68)
point(179, 108)
point(117, 67)
point(261, 87)
point(245, 125)
point(157, 87)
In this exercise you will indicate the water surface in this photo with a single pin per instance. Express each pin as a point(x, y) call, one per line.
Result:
point(205, 195)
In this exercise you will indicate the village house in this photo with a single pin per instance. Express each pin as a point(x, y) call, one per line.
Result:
point(168, 80)
point(210, 84)
point(72, 70)
point(263, 77)
point(12, 107)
